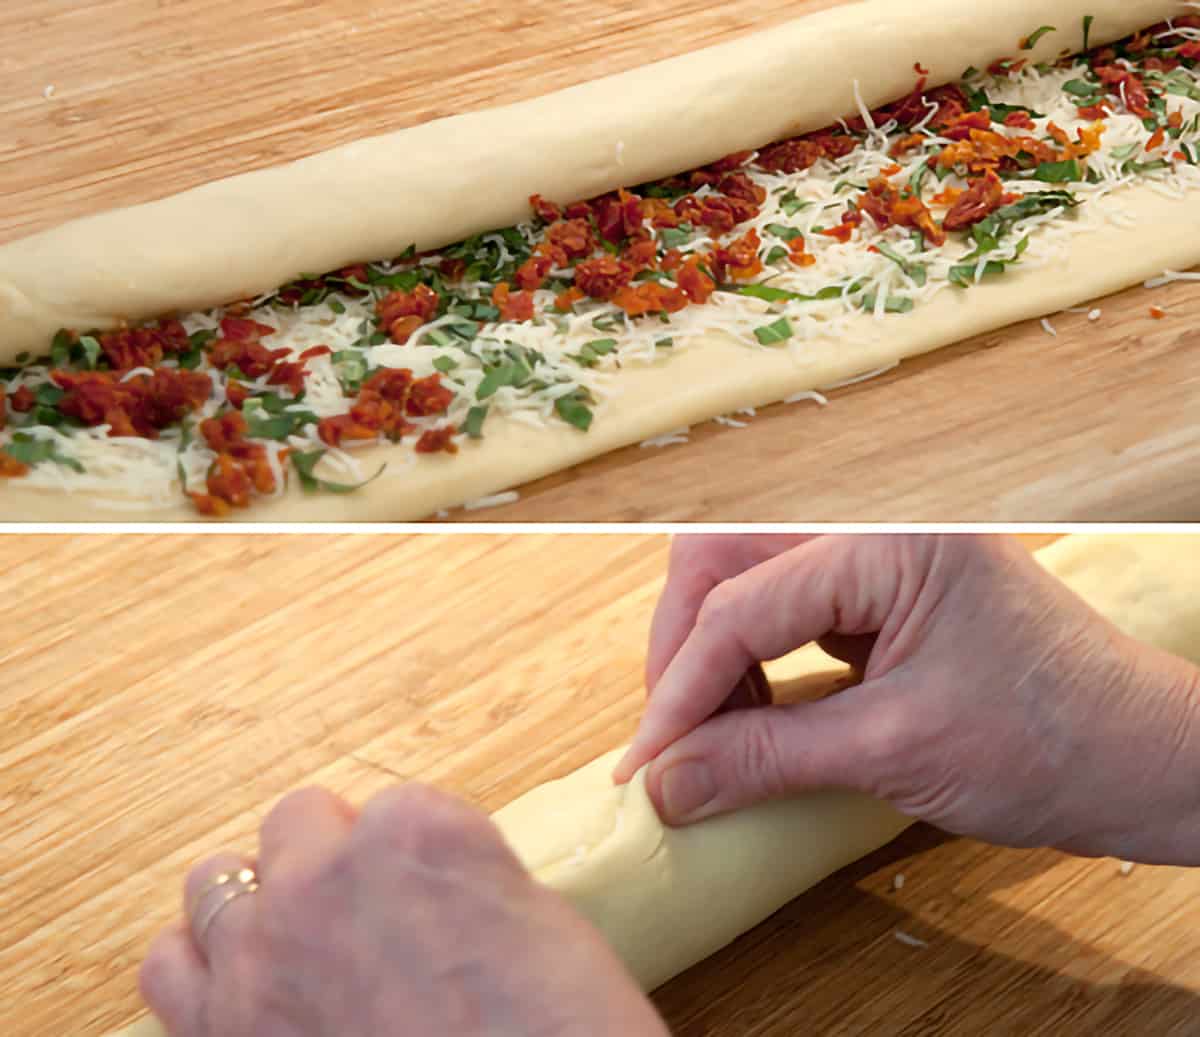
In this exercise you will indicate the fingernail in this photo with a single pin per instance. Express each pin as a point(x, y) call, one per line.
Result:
point(684, 788)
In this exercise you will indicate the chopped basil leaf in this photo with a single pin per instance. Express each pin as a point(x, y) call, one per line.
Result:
point(574, 411)
point(970, 72)
point(1080, 87)
point(790, 204)
point(914, 270)
point(769, 294)
point(445, 364)
point(893, 303)
point(23, 357)
point(1058, 172)
point(1148, 167)
point(673, 237)
point(305, 463)
point(606, 322)
point(784, 232)
point(1126, 151)
point(1087, 28)
point(777, 331)
point(190, 360)
point(337, 306)
point(664, 343)
point(267, 418)
point(91, 350)
point(915, 181)
point(60, 348)
point(48, 394)
point(28, 450)
point(777, 253)
point(473, 425)
point(500, 376)
point(1031, 40)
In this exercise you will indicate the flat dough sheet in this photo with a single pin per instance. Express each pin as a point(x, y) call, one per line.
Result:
point(128, 263)
point(665, 898)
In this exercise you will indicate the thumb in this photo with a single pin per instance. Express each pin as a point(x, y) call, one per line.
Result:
point(749, 756)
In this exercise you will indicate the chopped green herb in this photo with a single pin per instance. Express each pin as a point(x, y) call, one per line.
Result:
point(445, 364)
point(28, 450)
point(1058, 172)
point(1030, 41)
point(769, 294)
point(777, 331)
point(473, 425)
point(790, 204)
point(784, 232)
point(777, 253)
point(60, 348)
point(48, 394)
point(916, 271)
point(673, 237)
point(305, 463)
point(574, 410)
point(664, 343)
point(91, 350)
point(893, 303)
point(337, 306)
point(1087, 29)
point(1080, 88)
point(497, 377)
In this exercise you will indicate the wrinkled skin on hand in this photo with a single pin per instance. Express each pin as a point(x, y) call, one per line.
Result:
point(412, 917)
point(993, 702)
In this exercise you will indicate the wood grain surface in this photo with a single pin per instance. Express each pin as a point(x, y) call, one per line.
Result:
point(148, 97)
point(167, 690)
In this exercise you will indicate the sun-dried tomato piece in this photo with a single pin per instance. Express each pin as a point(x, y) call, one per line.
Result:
point(10, 467)
point(659, 212)
point(696, 284)
point(315, 351)
point(452, 268)
point(1019, 120)
point(229, 481)
point(1123, 83)
point(513, 306)
point(983, 197)
point(545, 211)
point(435, 440)
point(739, 185)
point(391, 383)
point(1095, 111)
point(565, 300)
point(532, 274)
point(396, 310)
point(739, 260)
point(138, 406)
point(961, 127)
point(640, 255)
point(223, 433)
point(618, 216)
point(126, 348)
point(341, 427)
point(603, 276)
point(573, 236)
point(650, 297)
point(721, 214)
point(429, 397)
point(23, 400)
point(243, 329)
point(887, 207)
point(797, 253)
point(790, 156)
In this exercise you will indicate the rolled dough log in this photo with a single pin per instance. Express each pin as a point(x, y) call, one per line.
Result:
point(368, 200)
point(666, 898)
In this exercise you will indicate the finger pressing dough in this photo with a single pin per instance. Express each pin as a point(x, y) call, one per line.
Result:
point(665, 898)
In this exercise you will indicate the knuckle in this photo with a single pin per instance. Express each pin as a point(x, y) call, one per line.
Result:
point(758, 760)
point(718, 607)
point(424, 820)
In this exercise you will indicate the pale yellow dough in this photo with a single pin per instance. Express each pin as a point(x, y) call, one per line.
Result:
point(250, 233)
point(667, 897)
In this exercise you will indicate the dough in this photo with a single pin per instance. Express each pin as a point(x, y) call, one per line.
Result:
point(695, 385)
point(665, 898)
point(248, 234)
point(129, 263)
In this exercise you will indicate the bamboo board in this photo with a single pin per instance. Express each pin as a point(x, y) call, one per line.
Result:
point(146, 98)
point(166, 691)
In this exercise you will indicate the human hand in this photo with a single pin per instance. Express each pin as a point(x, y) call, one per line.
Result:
point(994, 702)
point(411, 917)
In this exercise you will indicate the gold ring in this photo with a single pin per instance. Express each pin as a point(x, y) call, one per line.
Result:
point(217, 895)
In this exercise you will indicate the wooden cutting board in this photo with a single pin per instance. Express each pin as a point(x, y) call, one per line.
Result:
point(121, 101)
point(161, 693)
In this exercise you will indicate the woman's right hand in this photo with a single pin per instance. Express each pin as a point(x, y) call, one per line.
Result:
point(994, 702)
